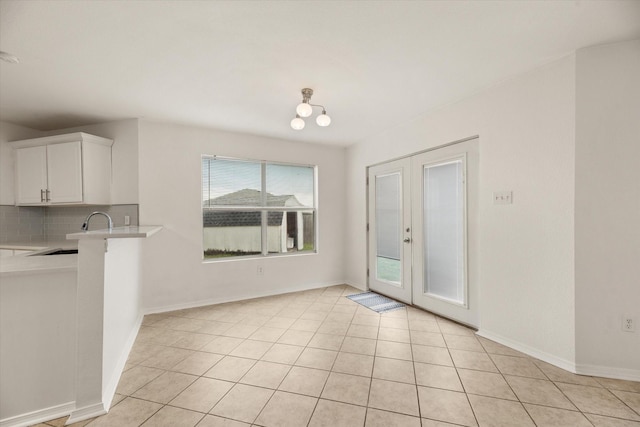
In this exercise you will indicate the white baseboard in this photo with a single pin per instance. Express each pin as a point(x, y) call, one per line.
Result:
point(110, 389)
point(360, 286)
point(202, 303)
point(576, 368)
point(567, 365)
point(39, 416)
point(101, 408)
point(608, 372)
point(90, 411)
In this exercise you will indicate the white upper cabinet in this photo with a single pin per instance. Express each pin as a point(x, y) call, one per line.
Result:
point(64, 172)
point(31, 176)
point(71, 169)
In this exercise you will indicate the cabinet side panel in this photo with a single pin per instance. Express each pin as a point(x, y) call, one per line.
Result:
point(96, 162)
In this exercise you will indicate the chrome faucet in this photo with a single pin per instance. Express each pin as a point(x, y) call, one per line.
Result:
point(85, 225)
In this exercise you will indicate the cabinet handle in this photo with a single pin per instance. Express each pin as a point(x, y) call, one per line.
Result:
point(41, 195)
point(47, 194)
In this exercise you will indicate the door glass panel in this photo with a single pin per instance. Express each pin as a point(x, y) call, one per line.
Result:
point(388, 228)
point(443, 210)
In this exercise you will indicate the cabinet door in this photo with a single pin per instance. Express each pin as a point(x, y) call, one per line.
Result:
point(64, 163)
point(31, 175)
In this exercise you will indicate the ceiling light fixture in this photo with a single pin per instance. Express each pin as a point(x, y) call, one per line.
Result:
point(7, 57)
point(297, 123)
point(305, 109)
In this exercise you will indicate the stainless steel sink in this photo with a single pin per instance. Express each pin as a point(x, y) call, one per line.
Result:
point(56, 252)
point(63, 252)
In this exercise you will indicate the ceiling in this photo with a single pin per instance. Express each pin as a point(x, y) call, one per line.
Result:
point(240, 65)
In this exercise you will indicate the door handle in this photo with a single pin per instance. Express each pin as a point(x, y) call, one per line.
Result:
point(407, 240)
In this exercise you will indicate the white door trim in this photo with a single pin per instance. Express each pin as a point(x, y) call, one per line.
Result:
point(467, 149)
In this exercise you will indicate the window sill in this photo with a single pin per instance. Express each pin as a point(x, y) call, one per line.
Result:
point(256, 257)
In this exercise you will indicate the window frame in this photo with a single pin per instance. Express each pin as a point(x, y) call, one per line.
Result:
point(264, 209)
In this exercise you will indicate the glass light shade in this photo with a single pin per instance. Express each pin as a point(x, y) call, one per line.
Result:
point(323, 120)
point(297, 123)
point(304, 110)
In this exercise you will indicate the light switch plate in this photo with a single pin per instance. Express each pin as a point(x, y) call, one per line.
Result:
point(502, 197)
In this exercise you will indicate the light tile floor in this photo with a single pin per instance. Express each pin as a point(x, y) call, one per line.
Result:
point(316, 358)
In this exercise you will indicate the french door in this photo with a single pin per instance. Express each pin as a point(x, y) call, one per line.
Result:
point(435, 243)
point(390, 229)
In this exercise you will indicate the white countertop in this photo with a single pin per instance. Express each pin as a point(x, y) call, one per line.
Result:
point(39, 245)
point(29, 264)
point(20, 265)
point(137, 231)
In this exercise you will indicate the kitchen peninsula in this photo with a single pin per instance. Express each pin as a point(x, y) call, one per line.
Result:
point(79, 315)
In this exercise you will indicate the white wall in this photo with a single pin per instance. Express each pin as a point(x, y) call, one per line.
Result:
point(38, 358)
point(10, 132)
point(108, 319)
point(170, 195)
point(122, 314)
point(527, 145)
point(608, 208)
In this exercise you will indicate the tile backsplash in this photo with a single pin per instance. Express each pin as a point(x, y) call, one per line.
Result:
point(20, 223)
point(28, 224)
point(61, 221)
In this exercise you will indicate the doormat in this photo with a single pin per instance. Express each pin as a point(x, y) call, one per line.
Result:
point(376, 302)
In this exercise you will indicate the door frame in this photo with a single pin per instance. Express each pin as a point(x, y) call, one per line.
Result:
point(468, 313)
point(471, 245)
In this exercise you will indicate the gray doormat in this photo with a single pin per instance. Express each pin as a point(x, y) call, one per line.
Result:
point(376, 302)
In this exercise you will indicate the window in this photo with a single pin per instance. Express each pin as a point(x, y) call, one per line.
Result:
point(257, 208)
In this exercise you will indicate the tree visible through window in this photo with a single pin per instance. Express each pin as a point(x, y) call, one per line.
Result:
point(253, 208)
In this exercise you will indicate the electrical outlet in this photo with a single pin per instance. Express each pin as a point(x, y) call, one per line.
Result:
point(260, 270)
point(628, 325)
point(127, 220)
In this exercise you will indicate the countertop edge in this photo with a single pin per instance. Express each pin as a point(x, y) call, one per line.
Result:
point(27, 272)
point(23, 266)
point(131, 232)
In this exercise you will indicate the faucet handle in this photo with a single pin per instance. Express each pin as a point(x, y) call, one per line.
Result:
point(84, 226)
